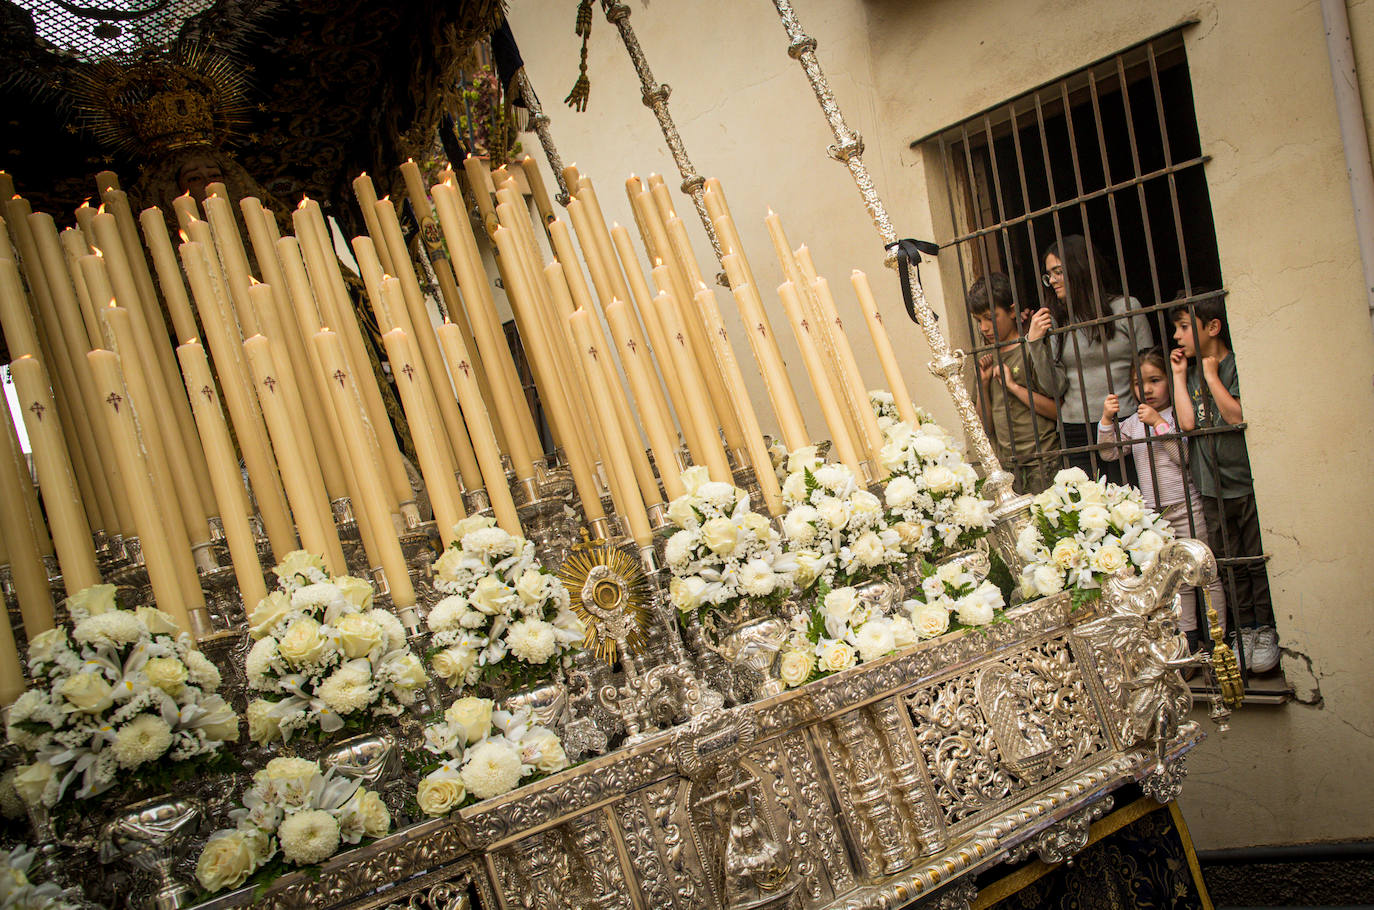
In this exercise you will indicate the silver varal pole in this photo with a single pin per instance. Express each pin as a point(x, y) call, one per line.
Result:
point(1011, 512)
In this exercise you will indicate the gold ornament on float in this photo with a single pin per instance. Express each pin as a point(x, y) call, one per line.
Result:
point(610, 593)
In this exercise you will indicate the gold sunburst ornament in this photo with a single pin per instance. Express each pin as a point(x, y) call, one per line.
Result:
point(610, 594)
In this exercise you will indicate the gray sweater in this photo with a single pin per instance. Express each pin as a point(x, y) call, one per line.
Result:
point(1095, 371)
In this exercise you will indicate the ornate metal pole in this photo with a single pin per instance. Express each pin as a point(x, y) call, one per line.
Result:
point(1010, 511)
point(656, 99)
point(541, 127)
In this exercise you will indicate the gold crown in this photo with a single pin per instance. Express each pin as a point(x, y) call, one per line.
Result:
point(162, 101)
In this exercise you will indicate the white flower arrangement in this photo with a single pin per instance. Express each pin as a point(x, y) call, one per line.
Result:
point(18, 892)
point(836, 531)
point(884, 406)
point(324, 657)
point(933, 492)
point(723, 553)
point(1084, 530)
point(483, 753)
point(294, 809)
point(950, 594)
point(505, 616)
point(124, 696)
point(842, 630)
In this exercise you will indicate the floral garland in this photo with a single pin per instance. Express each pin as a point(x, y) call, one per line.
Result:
point(933, 491)
point(483, 753)
point(842, 629)
point(951, 590)
point(505, 616)
point(125, 694)
point(324, 657)
point(296, 808)
point(836, 531)
point(723, 552)
point(17, 892)
point(1082, 530)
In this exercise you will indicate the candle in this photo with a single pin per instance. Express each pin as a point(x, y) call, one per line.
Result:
point(479, 427)
point(852, 381)
point(177, 524)
point(766, 353)
point(34, 525)
point(754, 446)
point(106, 180)
point(512, 409)
point(444, 496)
point(185, 209)
point(230, 495)
point(74, 246)
point(479, 181)
point(27, 572)
point(240, 399)
point(634, 356)
point(615, 456)
point(537, 188)
point(61, 497)
point(11, 669)
point(406, 304)
point(84, 216)
point(591, 253)
point(641, 299)
point(233, 259)
point(697, 410)
point(299, 471)
point(906, 410)
point(820, 381)
point(586, 194)
point(366, 194)
point(159, 557)
point(116, 202)
point(372, 493)
point(168, 272)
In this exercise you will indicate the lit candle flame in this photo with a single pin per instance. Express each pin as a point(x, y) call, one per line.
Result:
point(185, 237)
point(96, 250)
point(101, 210)
point(85, 204)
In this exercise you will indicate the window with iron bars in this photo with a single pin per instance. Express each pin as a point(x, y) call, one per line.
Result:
point(1087, 198)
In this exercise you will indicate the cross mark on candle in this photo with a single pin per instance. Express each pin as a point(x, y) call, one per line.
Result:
point(763, 330)
point(271, 384)
point(630, 343)
point(721, 332)
point(409, 371)
point(592, 351)
point(340, 376)
point(806, 326)
point(37, 409)
point(463, 365)
point(208, 392)
point(680, 339)
point(114, 400)
point(839, 325)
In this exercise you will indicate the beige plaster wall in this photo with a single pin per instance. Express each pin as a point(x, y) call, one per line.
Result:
point(1284, 221)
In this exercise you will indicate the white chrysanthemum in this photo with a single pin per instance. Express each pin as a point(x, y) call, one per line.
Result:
point(757, 578)
point(532, 640)
point(874, 639)
point(489, 542)
point(117, 627)
point(679, 549)
point(203, 673)
point(348, 688)
point(260, 658)
point(447, 612)
point(492, 768)
point(142, 740)
point(317, 597)
point(308, 837)
point(395, 632)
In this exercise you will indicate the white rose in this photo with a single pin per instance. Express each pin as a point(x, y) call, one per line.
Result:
point(903, 632)
point(869, 549)
point(875, 639)
point(928, 447)
point(540, 747)
point(87, 692)
point(834, 655)
point(797, 524)
point(269, 611)
point(358, 635)
point(405, 670)
point(263, 725)
point(804, 457)
point(794, 488)
point(694, 478)
point(1126, 513)
point(929, 620)
point(1092, 493)
point(685, 593)
point(491, 596)
point(531, 586)
point(1146, 547)
point(472, 523)
point(1109, 558)
point(864, 505)
point(301, 567)
point(682, 511)
point(95, 600)
point(440, 792)
point(939, 479)
point(472, 715)
point(302, 644)
point(158, 623)
point(794, 667)
point(974, 610)
point(901, 490)
point(43, 645)
point(453, 664)
point(31, 780)
point(357, 591)
point(839, 603)
point(1093, 518)
point(721, 535)
point(167, 673)
point(376, 816)
point(446, 566)
point(1048, 580)
point(893, 455)
point(227, 860)
point(908, 534)
point(1066, 553)
point(834, 513)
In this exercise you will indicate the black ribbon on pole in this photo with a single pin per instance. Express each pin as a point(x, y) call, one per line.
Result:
point(909, 256)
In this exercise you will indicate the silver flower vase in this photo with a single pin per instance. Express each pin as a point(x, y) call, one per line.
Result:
point(748, 639)
point(152, 836)
point(546, 702)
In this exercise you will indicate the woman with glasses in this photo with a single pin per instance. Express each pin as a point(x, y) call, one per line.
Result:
point(1095, 349)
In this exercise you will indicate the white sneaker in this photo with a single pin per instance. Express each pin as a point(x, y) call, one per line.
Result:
point(1263, 649)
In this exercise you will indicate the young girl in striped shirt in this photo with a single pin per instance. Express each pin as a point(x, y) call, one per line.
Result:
point(1164, 479)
